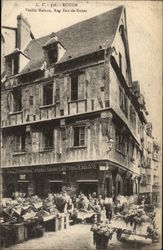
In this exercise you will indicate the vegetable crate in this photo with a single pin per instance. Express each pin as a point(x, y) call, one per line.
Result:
point(61, 222)
point(11, 234)
point(28, 228)
point(57, 223)
point(19, 230)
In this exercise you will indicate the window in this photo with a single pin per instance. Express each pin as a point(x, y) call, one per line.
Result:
point(79, 136)
point(52, 53)
point(15, 66)
point(48, 94)
point(120, 141)
point(16, 102)
point(12, 65)
point(48, 139)
point(132, 116)
point(120, 61)
point(123, 101)
point(19, 143)
point(148, 179)
point(31, 100)
point(77, 87)
point(125, 108)
point(121, 98)
point(132, 148)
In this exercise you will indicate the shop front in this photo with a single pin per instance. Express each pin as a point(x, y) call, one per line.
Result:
point(85, 177)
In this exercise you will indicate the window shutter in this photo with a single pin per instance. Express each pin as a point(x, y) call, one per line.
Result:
point(101, 76)
point(87, 81)
point(81, 86)
point(10, 102)
point(61, 97)
point(99, 80)
point(57, 97)
point(36, 141)
point(54, 91)
point(41, 97)
point(71, 137)
point(40, 141)
point(68, 88)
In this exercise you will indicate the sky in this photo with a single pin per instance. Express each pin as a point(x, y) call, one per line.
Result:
point(144, 23)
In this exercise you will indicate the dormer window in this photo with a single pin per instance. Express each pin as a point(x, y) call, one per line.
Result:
point(52, 51)
point(12, 65)
point(15, 62)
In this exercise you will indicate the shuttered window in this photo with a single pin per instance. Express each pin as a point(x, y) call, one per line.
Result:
point(120, 141)
point(19, 143)
point(48, 139)
point(77, 87)
point(79, 136)
point(132, 116)
point(14, 100)
point(123, 101)
point(48, 94)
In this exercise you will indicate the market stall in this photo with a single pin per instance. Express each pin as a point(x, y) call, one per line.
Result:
point(133, 224)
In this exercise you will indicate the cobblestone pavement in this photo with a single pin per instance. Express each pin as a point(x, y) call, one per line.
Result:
point(75, 238)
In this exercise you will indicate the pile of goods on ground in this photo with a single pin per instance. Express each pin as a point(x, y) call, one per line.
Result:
point(24, 218)
point(133, 224)
point(139, 221)
point(23, 209)
point(102, 233)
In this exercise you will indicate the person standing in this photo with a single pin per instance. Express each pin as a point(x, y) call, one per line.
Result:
point(108, 208)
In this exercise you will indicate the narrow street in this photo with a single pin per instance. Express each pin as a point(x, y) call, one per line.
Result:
point(75, 238)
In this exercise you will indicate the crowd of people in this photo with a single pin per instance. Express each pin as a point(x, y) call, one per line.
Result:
point(93, 203)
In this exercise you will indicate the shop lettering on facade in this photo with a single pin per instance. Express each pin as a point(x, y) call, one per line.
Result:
point(52, 168)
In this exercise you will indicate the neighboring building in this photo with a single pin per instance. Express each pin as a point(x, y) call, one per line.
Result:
point(71, 115)
point(156, 173)
point(146, 163)
point(149, 184)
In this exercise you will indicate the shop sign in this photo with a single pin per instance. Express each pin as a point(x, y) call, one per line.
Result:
point(22, 176)
point(42, 169)
point(103, 168)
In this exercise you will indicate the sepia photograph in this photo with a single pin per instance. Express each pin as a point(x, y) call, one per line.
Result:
point(81, 125)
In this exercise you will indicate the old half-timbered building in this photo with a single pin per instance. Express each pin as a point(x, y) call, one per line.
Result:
point(71, 115)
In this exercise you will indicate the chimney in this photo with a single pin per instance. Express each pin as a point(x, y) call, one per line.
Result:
point(23, 32)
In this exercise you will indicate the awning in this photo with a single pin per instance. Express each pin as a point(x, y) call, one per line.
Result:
point(55, 181)
point(87, 181)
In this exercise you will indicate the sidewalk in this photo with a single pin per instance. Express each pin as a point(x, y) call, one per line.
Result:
point(77, 237)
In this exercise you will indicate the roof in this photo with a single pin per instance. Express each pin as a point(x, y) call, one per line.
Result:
point(15, 51)
point(79, 39)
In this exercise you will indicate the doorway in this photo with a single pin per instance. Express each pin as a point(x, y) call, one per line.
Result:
point(87, 188)
point(55, 187)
